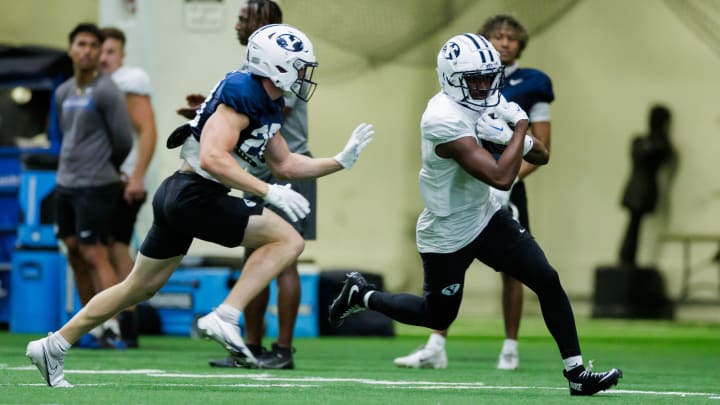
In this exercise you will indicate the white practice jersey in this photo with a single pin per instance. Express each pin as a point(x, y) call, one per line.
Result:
point(132, 80)
point(457, 205)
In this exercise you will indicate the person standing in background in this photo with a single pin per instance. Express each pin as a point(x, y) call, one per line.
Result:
point(532, 90)
point(97, 137)
point(136, 85)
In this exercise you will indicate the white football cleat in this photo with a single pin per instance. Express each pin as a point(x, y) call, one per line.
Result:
point(51, 368)
point(508, 360)
point(424, 357)
point(228, 336)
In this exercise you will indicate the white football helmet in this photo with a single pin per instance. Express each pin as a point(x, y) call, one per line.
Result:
point(284, 55)
point(470, 56)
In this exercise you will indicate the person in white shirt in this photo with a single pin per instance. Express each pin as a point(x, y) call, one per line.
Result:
point(461, 221)
point(532, 90)
point(135, 83)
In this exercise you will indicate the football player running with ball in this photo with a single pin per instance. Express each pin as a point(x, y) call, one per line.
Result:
point(461, 222)
point(532, 90)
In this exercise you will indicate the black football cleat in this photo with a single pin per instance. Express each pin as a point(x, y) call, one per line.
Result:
point(229, 362)
point(350, 299)
point(278, 358)
point(586, 382)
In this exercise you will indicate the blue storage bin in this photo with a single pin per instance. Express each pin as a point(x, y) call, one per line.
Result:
point(9, 185)
point(5, 294)
point(35, 187)
point(68, 296)
point(42, 236)
point(9, 211)
point(189, 294)
point(306, 324)
point(7, 245)
point(35, 291)
point(9, 170)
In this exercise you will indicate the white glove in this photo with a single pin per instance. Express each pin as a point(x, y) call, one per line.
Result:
point(527, 144)
point(497, 131)
point(360, 137)
point(494, 130)
point(510, 112)
point(293, 204)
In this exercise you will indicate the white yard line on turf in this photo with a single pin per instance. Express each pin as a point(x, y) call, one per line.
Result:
point(292, 382)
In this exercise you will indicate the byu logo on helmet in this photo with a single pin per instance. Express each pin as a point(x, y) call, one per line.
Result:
point(470, 57)
point(451, 289)
point(284, 55)
point(290, 42)
point(451, 50)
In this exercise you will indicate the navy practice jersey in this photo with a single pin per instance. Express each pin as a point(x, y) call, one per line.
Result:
point(527, 86)
point(244, 93)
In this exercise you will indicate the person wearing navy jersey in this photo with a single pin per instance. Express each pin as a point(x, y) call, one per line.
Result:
point(236, 128)
point(252, 15)
point(532, 90)
point(462, 221)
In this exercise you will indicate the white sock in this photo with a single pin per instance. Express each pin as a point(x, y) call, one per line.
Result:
point(436, 340)
point(510, 346)
point(228, 313)
point(97, 331)
point(113, 325)
point(366, 298)
point(572, 362)
point(57, 344)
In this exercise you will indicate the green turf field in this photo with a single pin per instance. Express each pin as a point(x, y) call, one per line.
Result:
point(663, 363)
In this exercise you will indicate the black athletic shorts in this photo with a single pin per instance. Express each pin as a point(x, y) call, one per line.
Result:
point(503, 245)
point(123, 224)
point(188, 206)
point(86, 212)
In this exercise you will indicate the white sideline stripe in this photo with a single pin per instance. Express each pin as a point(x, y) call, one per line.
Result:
point(268, 377)
point(446, 386)
point(712, 395)
point(162, 374)
point(461, 386)
point(238, 385)
point(372, 382)
point(426, 385)
point(172, 385)
point(137, 371)
point(63, 388)
point(609, 391)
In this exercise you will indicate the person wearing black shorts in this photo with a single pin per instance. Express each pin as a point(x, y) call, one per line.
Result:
point(96, 139)
point(236, 128)
point(252, 15)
